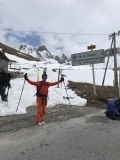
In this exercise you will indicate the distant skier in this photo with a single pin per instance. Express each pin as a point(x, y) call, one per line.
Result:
point(4, 83)
point(113, 109)
point(42, 94)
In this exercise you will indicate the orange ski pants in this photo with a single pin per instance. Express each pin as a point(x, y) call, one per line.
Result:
point(41, 109)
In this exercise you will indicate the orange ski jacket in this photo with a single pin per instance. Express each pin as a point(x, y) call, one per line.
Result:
point(42, 86)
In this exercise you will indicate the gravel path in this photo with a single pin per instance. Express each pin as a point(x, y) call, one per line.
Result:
point(55, 114)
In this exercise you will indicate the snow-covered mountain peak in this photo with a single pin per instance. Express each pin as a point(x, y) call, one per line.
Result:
point(42, 53)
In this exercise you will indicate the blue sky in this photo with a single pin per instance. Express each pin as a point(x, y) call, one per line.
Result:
point(30, 39)
point(60, 16)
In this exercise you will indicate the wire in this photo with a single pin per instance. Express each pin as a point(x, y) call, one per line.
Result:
point(82, 34)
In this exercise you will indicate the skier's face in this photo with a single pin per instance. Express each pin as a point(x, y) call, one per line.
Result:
point(44, 78)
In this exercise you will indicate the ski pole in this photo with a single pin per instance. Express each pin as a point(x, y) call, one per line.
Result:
point(20, 96)
point(66, 92)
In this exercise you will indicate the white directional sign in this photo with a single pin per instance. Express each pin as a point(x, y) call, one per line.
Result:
point(86, 62)
point(91, 57)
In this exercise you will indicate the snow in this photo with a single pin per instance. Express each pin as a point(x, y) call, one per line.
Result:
point(28, 49)
point(76, 74)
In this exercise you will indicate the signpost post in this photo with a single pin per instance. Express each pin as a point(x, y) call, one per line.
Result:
point(93, 70)
point(91, 57)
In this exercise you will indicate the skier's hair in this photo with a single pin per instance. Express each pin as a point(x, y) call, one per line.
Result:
point(44, 75)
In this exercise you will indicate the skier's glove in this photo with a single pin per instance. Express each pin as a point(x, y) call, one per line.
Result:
point(62, 79)
point(25, 76)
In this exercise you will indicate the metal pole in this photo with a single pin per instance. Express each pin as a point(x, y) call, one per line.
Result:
point(20, 96)
point(107, 63)
point(67, 95)
point(93, 73)
point(94, 86)
point(58, 77)
point(115, 62)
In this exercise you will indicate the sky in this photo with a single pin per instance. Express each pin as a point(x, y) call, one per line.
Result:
point(21, 22)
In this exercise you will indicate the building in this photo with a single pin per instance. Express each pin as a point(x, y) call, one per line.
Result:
point(4, 60)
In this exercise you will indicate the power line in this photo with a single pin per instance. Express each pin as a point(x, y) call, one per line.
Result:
point(81, 34)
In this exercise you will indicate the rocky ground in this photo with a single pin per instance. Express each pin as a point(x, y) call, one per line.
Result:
point(85, 90)
point(62, 112)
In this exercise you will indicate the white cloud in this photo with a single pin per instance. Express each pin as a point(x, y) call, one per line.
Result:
point(71, 16)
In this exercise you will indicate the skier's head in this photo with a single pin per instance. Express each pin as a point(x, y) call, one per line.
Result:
point(44, 76)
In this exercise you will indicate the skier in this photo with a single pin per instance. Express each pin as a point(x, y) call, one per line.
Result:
point(42, 93)
point(4, 83)
point(113, 109)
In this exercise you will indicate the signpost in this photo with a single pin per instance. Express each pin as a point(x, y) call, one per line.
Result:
point(91, 47)
point(91, 57)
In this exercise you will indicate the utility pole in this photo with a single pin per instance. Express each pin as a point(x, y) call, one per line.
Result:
point(113, 36)
point(115, 63)
point(107, 63)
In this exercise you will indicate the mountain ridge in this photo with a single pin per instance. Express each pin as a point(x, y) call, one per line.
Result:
point(42, 53)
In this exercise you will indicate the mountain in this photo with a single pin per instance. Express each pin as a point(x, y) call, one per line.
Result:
point(61, 58)
point(42, 53)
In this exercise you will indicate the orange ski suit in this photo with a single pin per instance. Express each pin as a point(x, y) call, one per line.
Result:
point(42, 100)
